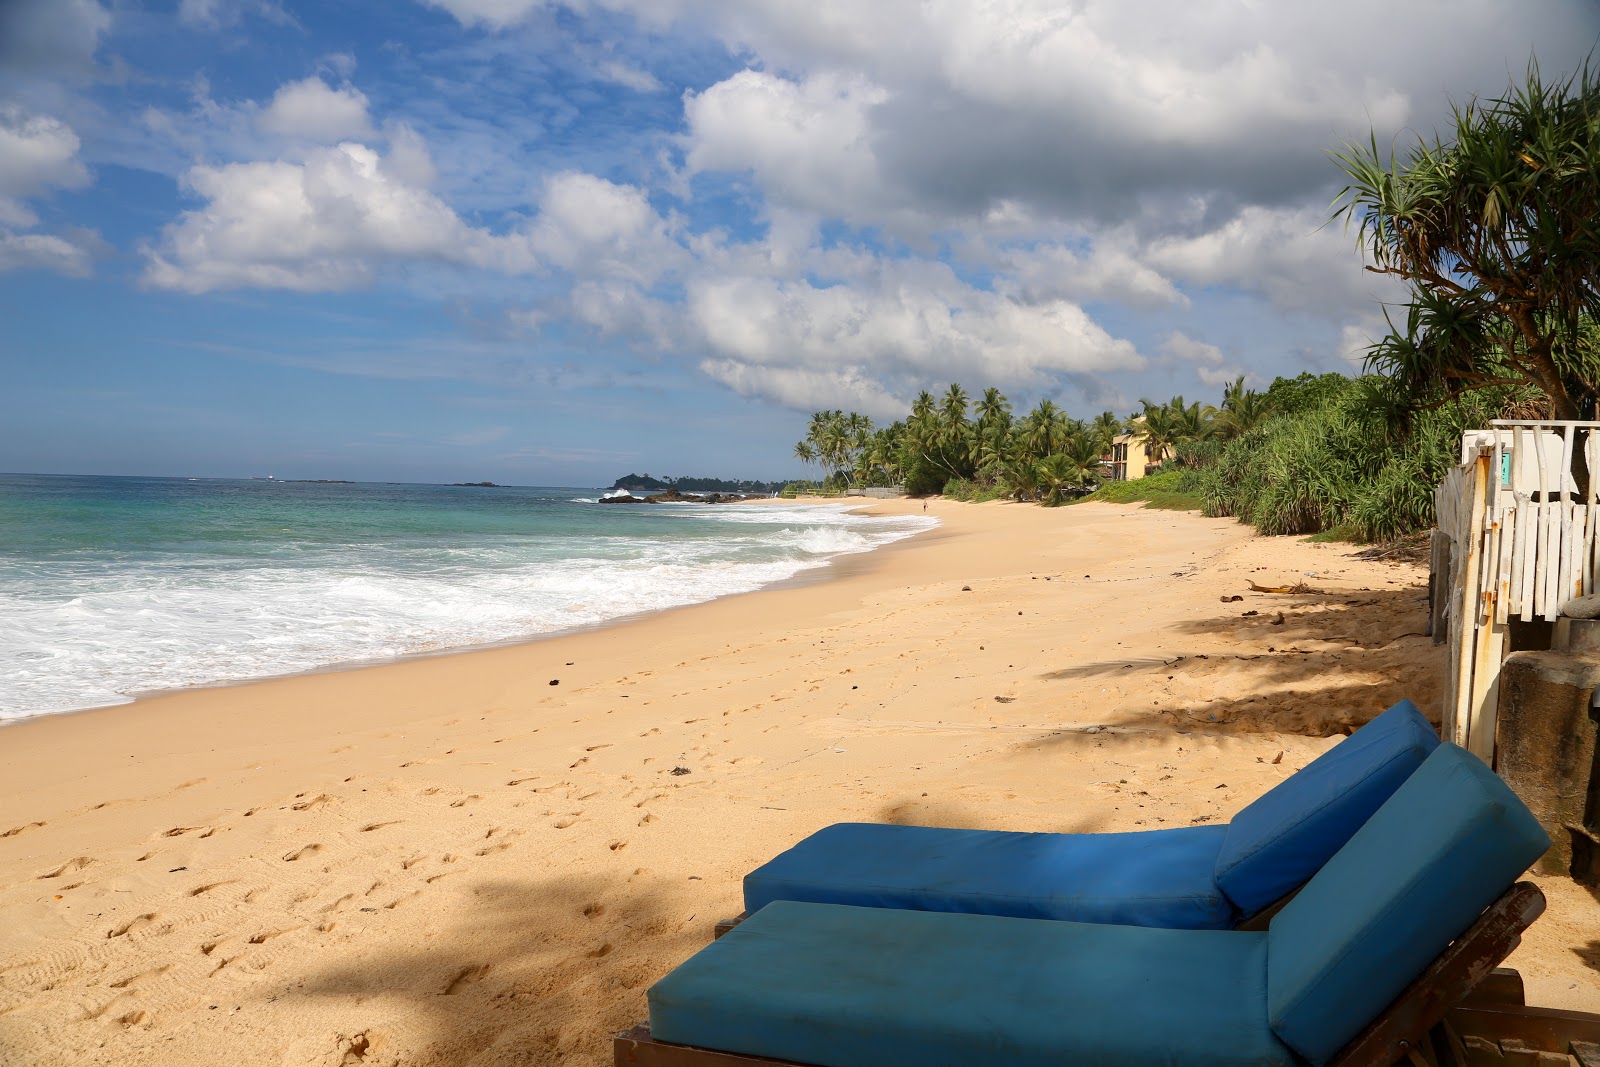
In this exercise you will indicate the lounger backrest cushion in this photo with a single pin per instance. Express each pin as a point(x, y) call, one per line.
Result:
point(1277, 843)
point(1449, 842)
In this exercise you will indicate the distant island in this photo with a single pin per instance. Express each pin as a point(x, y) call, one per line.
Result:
point(315, 481)
point(636, 482)
point(480, 485)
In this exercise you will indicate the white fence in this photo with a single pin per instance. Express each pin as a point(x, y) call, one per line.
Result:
point(1515, 539)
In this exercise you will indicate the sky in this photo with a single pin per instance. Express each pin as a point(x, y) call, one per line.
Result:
point(549, 242)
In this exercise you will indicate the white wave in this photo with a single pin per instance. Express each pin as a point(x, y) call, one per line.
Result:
point(75, 636)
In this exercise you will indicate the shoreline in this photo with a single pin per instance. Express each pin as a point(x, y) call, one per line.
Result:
point(825, 571)
point(447, 860)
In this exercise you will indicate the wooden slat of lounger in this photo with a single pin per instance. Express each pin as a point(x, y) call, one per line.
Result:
point(636, 1048)
point(1502, 986)
point(1447, 981)
point(1545, 1029)
point(728, 924)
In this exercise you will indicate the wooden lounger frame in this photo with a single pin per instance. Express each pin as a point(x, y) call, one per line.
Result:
point(1453, 1015)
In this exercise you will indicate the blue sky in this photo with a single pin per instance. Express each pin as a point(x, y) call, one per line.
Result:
point(551, 241)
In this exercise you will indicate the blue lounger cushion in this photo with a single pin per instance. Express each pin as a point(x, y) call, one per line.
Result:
point(1154, 878)
point(1444, 847)
point(1278, 842)
point(863, 987)
point(1205, 877)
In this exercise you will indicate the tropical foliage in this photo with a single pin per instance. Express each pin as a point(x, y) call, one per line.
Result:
point(973, 447)
point(1497, 231)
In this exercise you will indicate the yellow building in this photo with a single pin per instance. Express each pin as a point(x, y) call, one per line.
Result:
point(1130, 457)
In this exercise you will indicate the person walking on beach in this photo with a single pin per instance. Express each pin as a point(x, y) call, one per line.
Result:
point(924, 507)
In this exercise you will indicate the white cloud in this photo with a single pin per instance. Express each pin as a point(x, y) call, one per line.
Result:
point(808, 143)
point(220, 14)
point(1189, 350)
point(641, 81)
point(43, 251)
point(496, 14)
point(325, 223)
point(312, 111)
point(1108, 269)
point(892, 330)
point(806, 388)
point(1291, 256)
point(591, 226)
point(37, 152)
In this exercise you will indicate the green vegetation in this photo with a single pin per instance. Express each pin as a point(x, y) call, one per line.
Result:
point(1173, 490)
point(969, 449)
point(1496, 233)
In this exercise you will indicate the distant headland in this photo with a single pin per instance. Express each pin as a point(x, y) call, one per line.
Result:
point(638, 482)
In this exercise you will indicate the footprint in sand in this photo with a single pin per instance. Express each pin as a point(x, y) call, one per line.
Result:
point(300, 853)
point(617, 846)
point(138, 922)
point(314, 803)
point(464, 801)
point(492, 849)
point(465, 977)
point(371, 826)
point(594, 911)
point(596, 748)
point(267, 935)
point(24, 828)
point(562, 824)
point(647, 820)
point(77, 863)
point(581, 761)
point(208, 887)
point(123, 983)
point(519, 781)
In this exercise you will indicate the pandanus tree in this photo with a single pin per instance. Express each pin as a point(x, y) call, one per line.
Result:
point(1496, 229)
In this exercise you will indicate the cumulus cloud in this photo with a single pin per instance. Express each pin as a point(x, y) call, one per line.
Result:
point(789, 333)
point(1207, 360)
point(808, 143)
point(39, 153)
point(1291, 256)
point(310, 110)
point(591, 226)
point(807, 388)
point(324, 223)
point(1104, 268)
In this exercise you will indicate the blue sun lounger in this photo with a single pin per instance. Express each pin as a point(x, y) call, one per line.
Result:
point(1195, 877)
point(1372, 953)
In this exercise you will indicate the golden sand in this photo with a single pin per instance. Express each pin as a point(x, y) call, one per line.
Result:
point(455, 861)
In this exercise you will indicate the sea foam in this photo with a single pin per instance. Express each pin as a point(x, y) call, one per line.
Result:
point(95, 627)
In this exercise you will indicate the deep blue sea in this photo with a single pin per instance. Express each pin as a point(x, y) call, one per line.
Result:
point(116, 586)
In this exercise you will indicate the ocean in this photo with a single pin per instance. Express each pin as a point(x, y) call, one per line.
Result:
point(112, 587)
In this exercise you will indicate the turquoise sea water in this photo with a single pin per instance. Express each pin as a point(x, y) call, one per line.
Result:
point(116, 586)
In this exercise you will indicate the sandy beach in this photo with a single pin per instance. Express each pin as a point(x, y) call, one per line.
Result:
point(486, 858)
